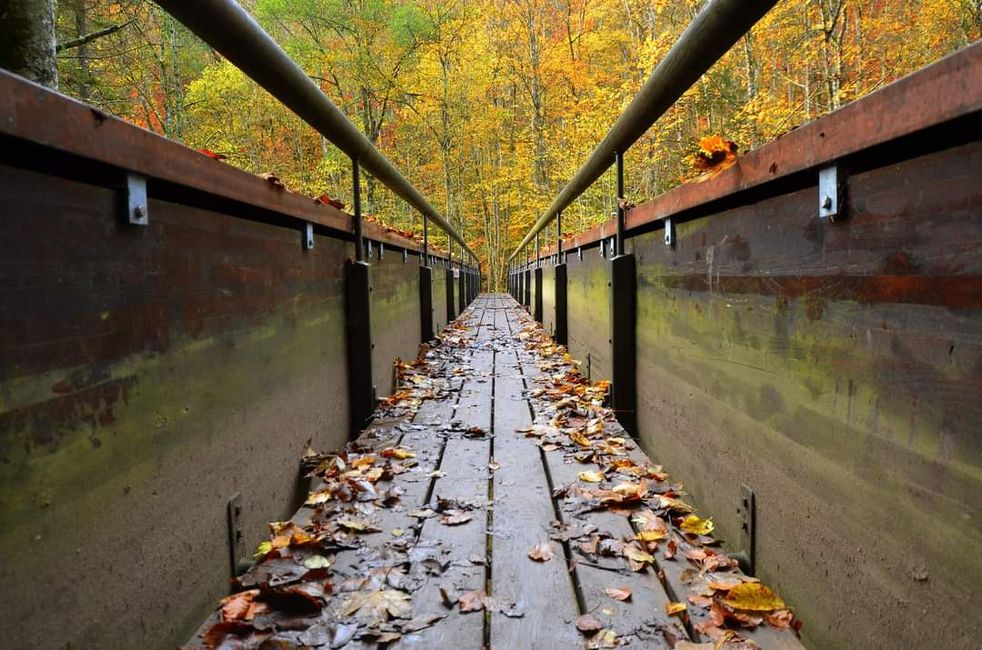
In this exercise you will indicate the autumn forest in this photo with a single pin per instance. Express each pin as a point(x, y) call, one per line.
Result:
point(490, 106)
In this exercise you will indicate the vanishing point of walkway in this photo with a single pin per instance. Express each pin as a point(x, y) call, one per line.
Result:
point(495, 502)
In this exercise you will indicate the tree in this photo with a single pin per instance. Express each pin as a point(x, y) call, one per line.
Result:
point(27, 40)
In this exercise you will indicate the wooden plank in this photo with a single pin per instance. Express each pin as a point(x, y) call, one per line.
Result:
point(676, 582)
point(464, 478)
point(523, 514)
point(642, 620)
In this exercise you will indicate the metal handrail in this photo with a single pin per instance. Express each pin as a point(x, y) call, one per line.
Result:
point(716, 28)
point(229, 28)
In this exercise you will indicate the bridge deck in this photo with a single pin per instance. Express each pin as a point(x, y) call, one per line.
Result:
point(494, 503)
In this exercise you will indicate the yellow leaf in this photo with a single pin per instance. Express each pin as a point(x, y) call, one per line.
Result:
point(673, 608)
point(674, 504)
point(398, 452)
point(696, 526)
point(579, 439)
point(637, 558)
point(651, 535)
point(263, 549)
point(591, 476)
point(754, 597)
point(317, 498)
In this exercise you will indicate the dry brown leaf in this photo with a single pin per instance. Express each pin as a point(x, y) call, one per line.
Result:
point(588, 624)
point(472, 601)
point(542, 552)
point(618, 593)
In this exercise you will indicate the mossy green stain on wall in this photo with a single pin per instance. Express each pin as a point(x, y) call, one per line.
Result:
point(395, 315)
point(588, 304)
point(852, 421)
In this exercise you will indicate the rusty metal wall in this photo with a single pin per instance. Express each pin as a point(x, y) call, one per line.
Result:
point(549, 297)
point(146, 375)
point(439, 295)
point(395, 314)
point(835, 368)
point(589, 311)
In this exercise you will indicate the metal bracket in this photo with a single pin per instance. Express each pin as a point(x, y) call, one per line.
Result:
point(136, 199)
point(238, 561)
point(405, 255)
point(748, 530)
point(381, 251)
point(603, 248)
point(579, 253)
point(308, 236)
point(368, 245)
point(830, 193)
point(669, 232)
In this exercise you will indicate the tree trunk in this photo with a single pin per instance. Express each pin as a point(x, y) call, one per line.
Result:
point(27, 40)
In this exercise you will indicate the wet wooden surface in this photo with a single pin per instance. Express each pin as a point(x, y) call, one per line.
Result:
point(517, 548)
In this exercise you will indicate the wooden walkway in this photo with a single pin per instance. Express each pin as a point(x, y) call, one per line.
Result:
point(495, 503)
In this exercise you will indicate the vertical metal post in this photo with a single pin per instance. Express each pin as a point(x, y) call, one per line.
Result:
point(356, 200)
point(426, 241)
point(623, 317)
point(619, 163)
point(561, 332)
point(537, 284)
point(451, 306)
point(527, 297)
point(358, 323)
point(559, 237)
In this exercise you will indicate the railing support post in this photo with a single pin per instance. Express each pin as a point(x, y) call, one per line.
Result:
point(537, 280)
point(527, 280)
point(358, 324)
point(623, 341)
point(425, 303)
point(619, 162)
point(462, 289)
point(560, 334)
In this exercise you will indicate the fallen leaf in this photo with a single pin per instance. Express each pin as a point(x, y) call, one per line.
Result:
point(357, 524)
point(591, 476)
point(471, 601)
point(317, 562)
point(753, 596)
point(241, 606)
point(274, 180)
point(397, 452)
point(673, 608)
point(618, 593)
point(782, 619)
point(696, 526)
point(605, 638)
point(374, 607)
point(542, 552)
point(455, 518)
point(637, 558)
point(650, 535)
point(588, 623)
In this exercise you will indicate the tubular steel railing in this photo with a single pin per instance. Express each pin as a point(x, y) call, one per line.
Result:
point(229, 28)
point(716, 28)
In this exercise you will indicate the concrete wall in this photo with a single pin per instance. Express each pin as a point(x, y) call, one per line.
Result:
point(837, 370)
point(395, 315)
point(146, 375)
point(589, 311)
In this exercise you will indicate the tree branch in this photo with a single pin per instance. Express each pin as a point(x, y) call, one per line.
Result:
point(88, 38)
